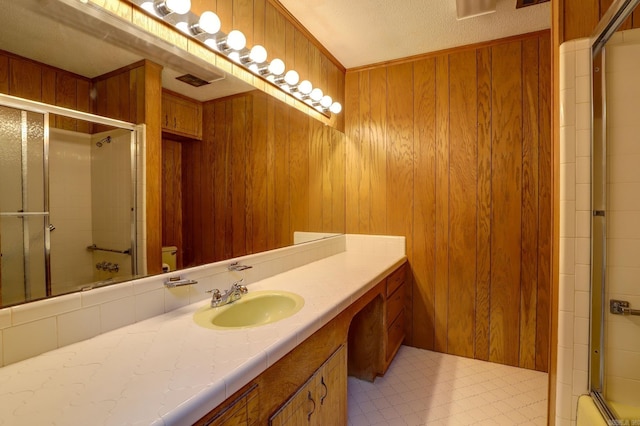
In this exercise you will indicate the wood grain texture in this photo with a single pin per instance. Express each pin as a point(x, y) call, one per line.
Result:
point(422, 308)
point(506, 198)
point(442, 202)
point(172, 196)
point(545, 206)
point(462, 203)
point(483, 242)
point(478, 118)
point(529, 246)
point(269, 165)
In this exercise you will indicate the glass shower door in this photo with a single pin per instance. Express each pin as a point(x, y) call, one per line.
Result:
point(24, 217)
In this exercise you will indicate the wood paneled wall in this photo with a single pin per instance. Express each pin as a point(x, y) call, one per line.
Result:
point(454, 152)
point(578, 18)
point(262, 171)
point(267, 23)
point(32, 80)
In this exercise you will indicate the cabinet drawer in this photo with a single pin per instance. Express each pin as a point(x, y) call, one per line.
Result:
point(394, 304)
point(395, 279)
point(395, 335)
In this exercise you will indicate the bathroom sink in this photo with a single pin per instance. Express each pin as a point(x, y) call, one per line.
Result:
point(254, 309)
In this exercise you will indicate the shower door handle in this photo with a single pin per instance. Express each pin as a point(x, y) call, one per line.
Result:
point(621, 307)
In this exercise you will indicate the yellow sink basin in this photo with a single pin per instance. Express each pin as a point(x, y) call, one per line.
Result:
point(254, 309)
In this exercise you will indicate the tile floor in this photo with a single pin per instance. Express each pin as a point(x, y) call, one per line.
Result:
point(430, 388)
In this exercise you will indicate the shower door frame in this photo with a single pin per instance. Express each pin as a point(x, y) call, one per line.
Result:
point(615, 16)
point(46, 109)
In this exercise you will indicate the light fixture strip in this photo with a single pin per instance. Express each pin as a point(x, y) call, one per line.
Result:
point(206, 29)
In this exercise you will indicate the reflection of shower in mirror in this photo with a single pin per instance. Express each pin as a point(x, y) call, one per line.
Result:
point(102, 141)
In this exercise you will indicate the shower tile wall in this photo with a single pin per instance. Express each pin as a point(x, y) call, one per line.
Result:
point(622, 345)
point(575, 246)
point(70, 206)
point(111, 199)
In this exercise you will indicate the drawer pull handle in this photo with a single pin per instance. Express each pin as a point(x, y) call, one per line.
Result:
point(313, 409)
point(326, 391)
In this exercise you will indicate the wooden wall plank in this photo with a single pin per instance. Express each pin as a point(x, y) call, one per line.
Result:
point(172, 226)
point(377, 146)
point(364, 163)
point(224, 10)
point(4, 74)
point(205, 153)
point(545, 214)
point(258, 171)
point(270, 177)
point(316, 191)
point(66, 96)
point(221, 150)
point(506, 202)
point(275, 37)
point(483, 243)
point(338, 173)
point(25, 79)
point(299, 170)
point(529, 247)
point(243, 19)
point(327, 189)
point(352, 131)
point(238, 173)
point(282, 176)
point(424, 195)
point(301, 55)
point(462, 203)
point(442, 203)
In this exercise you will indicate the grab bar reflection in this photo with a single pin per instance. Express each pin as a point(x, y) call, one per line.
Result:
point(621, 307)
point(93, 247)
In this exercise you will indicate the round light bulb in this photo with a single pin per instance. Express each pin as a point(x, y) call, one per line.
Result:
point(149, 7)
point(254, 68)
point(183, 26)
point(209, 22)
point(258, 54)
point(178, 6)
point(234, 56)
point(316, 95)
point(305, 87)
point(212, 43)
point(236, 40)
point(291, 78)
point(326, 101)
point(335, 108)
point(276, 67)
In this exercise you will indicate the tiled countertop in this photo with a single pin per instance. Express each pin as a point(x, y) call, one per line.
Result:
point(169, 371)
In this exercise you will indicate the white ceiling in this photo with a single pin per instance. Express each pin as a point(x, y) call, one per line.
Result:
point(364, 32)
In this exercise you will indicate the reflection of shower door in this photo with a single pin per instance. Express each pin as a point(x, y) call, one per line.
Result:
point(24, 217)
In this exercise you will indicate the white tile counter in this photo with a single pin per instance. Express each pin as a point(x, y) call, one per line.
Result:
point(167, 370)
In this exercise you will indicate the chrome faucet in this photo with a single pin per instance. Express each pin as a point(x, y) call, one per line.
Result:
point(234, 293)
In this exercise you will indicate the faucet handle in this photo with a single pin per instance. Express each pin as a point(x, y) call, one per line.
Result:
point(215, 294)
point(238, 285)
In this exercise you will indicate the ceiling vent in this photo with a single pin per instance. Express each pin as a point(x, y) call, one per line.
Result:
point(525, 3)
point(472, 8)
point(192, 80)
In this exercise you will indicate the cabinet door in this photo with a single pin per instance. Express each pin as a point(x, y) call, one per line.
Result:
point(181, 116)
point(332, 390)
point(301, 408)
point(322, 400)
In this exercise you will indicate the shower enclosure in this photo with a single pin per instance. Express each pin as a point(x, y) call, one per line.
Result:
point(615, 226)
point(67, 201)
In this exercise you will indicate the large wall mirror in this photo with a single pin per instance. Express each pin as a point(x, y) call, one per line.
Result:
point(241, 172)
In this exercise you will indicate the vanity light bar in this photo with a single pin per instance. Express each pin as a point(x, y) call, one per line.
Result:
point(206, 28)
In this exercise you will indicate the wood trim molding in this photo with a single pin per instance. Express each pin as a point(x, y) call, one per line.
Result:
point(298, 25)
point(449, 51)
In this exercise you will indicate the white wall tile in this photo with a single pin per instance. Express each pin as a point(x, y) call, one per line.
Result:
point(583, 89)
point(580, 383)
point(568, 107)
point(583, 143)
point(583, 277)
point(583, 61)
point(581, 357)
point(581, 331)
point(565, 365)
point(563, 401)
point(583, 116)
point(567, 144)
point(46, 308)
point(583, 224)
point(5, 318)
point(566, 292)
point(567, 256)
point(583, 251)
point(567, 219)
point(98, 296)
point(583, 197)
point(582, 304)
point(565, 328)
point(583, 170)
point(117, 314)
point(30, 339)
point(149, 304)
point(78, 325)
point(567, 182)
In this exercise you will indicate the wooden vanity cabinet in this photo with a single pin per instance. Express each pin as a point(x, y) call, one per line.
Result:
point(321, 400)
point(181, 116)
point(394, 316)
point(241, 410)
